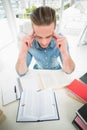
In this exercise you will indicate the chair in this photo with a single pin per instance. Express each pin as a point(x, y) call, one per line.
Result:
point(83, 36)
point(24, 29)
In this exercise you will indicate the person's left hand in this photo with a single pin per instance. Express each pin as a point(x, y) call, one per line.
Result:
point(61, 43)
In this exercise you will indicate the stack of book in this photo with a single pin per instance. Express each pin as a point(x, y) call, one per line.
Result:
point(80, 121)
point(78, 88)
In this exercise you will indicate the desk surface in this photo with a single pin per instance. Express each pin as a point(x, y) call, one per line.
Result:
point(67, 106)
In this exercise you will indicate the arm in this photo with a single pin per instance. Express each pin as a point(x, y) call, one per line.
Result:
point(21, 65)
point(68, 64)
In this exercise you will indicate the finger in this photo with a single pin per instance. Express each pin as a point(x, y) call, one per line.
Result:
point(31, 41)
point(58, 45)
point(60, 40)
point(56, 36)
point(32, 33)
point(27, 43)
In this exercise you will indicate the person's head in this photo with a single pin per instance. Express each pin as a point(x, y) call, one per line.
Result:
point(43, 23)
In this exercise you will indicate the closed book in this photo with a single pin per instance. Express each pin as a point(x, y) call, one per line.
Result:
point(79, 124)
point(83, 78)
point(78, 89)
point(82, 113)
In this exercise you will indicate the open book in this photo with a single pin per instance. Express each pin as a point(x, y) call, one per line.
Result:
point(37, 106)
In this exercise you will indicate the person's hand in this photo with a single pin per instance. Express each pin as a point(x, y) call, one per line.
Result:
point(27, 42)
point(60, 43)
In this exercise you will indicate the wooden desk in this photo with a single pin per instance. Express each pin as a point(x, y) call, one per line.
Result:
point(67, 106)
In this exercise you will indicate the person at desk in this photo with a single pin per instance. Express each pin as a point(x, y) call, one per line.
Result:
point(44, 44)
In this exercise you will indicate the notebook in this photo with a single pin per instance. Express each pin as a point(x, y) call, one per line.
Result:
point(78, 89)
point(8, 91)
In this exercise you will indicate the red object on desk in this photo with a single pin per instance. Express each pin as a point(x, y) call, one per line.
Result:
point(79, 89)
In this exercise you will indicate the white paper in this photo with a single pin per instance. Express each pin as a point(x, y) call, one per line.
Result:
point(7, 89)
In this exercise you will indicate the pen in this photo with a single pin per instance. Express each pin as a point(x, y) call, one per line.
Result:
point(15, 90)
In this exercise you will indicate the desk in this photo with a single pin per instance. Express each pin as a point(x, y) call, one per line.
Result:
point(67, 106)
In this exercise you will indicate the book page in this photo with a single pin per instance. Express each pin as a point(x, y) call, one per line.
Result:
point(45, 79)
point(30, 81)
point(47, 106)
point(27, 108)
point(36, 105)
point(54, 79)
point(7, 89)
point(31, 104)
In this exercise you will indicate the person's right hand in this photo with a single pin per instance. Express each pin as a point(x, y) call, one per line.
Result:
point(27, 42)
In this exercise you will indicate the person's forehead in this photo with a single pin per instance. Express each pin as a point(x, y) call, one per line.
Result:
point(45, 30)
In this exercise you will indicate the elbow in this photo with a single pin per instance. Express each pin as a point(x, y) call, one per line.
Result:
point(19, 72)
point(70, 69)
